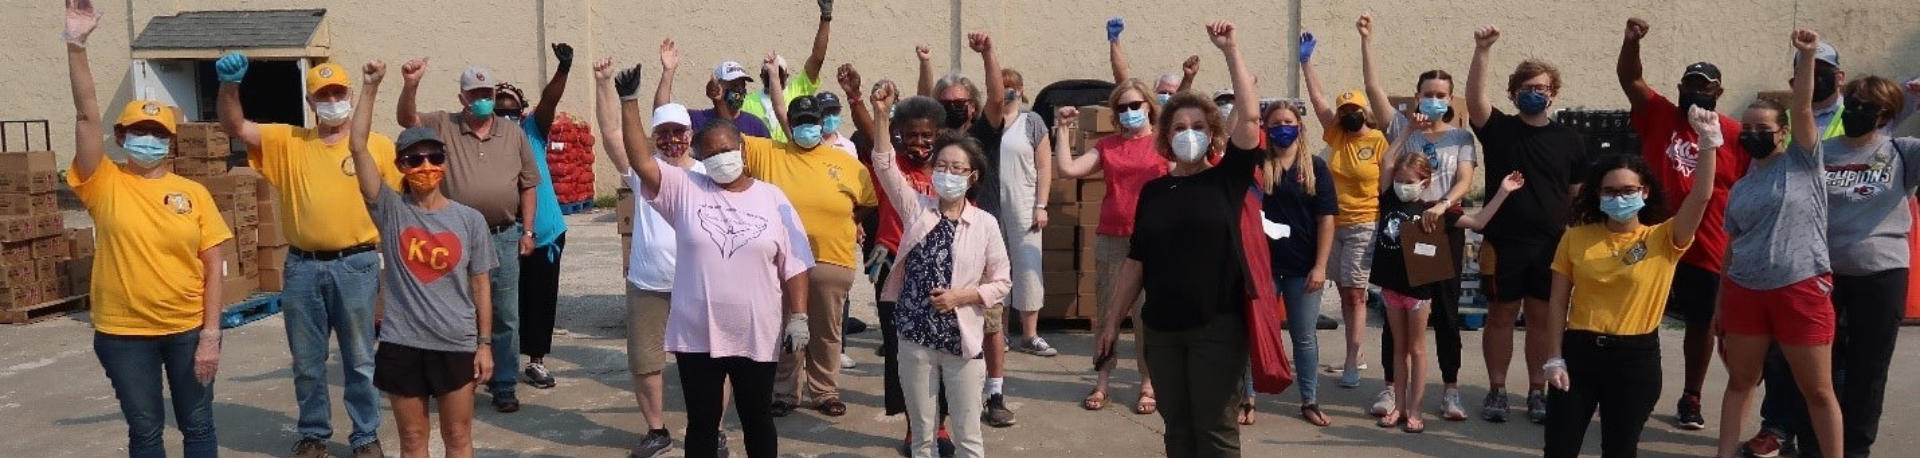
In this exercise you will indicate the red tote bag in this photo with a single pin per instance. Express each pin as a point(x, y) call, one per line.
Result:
point(1266, 343)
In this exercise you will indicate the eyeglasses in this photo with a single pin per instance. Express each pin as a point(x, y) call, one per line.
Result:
point(414, 160)
point(952, 167)
point(1621, 191)
point(1541, 88)
point(1129, 106)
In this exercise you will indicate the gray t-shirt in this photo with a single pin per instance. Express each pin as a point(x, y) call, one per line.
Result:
point(1867, 192)
point(1777, 222)
point(429, 258)
point(1454, 147)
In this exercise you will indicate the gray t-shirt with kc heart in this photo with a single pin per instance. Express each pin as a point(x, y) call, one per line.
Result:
point(430, 257)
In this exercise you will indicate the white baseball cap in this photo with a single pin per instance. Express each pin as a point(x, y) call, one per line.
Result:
point(729, 71)
point(671, 113)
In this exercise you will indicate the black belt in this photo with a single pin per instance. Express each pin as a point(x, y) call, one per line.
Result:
point(498, 228)
point(1597, 340)
point(331, 255)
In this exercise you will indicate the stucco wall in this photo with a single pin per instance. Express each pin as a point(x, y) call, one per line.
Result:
point(1047, 40)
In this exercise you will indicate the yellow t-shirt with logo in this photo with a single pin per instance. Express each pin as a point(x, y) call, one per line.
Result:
point(1620, 280)
point(825, 184)
point(148, 234)
point(309, 177)
point(1354, 160)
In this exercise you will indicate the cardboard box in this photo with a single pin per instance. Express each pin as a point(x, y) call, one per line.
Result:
point(79, 274)
point(17, 182)
point(202, 140)
point(48, 225)
point(1097, 119)
point(271, 257)
point(27, 162)
point(269, 209)
point(1089, 214)
point(236, 289)
point(46, 270)
point(80, 243)
point(54, 248)
point(17, 228)
point(1062, 306)
point(1059, 236)
point(17, 274)
point(1063, 191)
point(623, 210)
point(16, 253)
point(1061, 281)
point(1088, 235)
point(17, 204)
point(1068, 214)
point(18, 297)
point(1059, 260)
point(626, 246)
point(273, 280)
point(197, 167)
point(270, 233)
point(1093, 190)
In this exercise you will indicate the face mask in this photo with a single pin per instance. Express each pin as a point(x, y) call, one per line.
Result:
point(1860, 120)
point(949, 186)
point(1190, 145)
point(1623, 208)
point(725, 167)
point(674, 150)
point(1825, 82)
point(1013, 95)
point(1688, 100)
point(956, 114)
point(425, 179)
point(1282, 136)
point(146, 150)
point(915, 154)
point(807, 135)
point(1226, 110)
point(1408, 192)
point(482, 108)
point(333, 113)
point(830, 123)
point(1133, 119)
point(1435, 108)
point(1532, 102)
point(1758, 144)
point(1162, 98)
point(1353, 121)
point(734, 98)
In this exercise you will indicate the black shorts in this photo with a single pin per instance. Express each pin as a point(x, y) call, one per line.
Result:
point(1694, 295)
point(1522, 269)
point(413, 372)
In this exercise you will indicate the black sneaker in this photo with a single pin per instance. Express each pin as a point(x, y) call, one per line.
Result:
point(656, 443)
point(1495, 408)
point(996, 414)
point(853, 326)
point(536, 375)
point(505, 402)
point(1688, 415)
point(310, 448)
point(1537, 406)
point(370, 450)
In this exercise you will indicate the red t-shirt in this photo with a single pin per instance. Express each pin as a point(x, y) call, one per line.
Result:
point(1128, 164)
point(1667, 144)
point(890, 226)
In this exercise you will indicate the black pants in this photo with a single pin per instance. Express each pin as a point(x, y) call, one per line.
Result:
point(701, 377)
point(1198, 374)
point(1869, 309)
point(1618, 376)
point(539, 298)
point(1445, 318)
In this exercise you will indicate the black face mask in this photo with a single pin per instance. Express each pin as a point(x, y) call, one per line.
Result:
point(1696, 99)
point(1825, 82)
point(1859, 118)
point(734, 98)
point(1353, 121)
point(956, 113)
point(1758, 144)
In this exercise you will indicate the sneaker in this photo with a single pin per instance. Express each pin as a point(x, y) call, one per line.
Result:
point(310, 448)
point(505, 402)
point(656, 443)
point(943, 443)
point(996, 413)
point(1035, 346)
point(1350, 378)
point(1537, 406)
point(536, 375)
point(1450, 406)
point(847, 362)
point(1688, 415)
point(853, 326)
point(1383, 403)
point(1764, 445)
point(370, 450)
point(1495, 408)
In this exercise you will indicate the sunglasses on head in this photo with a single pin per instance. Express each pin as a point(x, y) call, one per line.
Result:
point(415, 160)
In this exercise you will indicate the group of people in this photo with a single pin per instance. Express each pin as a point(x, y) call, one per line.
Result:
point(755, 213)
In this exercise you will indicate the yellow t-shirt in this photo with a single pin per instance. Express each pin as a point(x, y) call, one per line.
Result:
point(1354, 161)
point(824, 184)
point(148, 235)
point(309, 175)
point(1620, 281)
point(798, 84)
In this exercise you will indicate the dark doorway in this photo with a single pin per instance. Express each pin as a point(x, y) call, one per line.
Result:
point(272, 93)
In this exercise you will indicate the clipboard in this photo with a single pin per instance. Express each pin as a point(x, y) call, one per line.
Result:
point(1429, 256)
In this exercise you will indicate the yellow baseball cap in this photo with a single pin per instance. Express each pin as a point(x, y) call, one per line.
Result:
point(139, 111)
point(327, 74)
point(1352, 97)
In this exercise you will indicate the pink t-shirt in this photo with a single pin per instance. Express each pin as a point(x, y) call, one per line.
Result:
point(735, 250)
point(1128, 163)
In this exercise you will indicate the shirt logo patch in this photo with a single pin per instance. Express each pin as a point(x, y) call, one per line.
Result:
point(177, 202)
point(1858, 181)
point(1365, 154)
point(1636, 254)
point(429, 255)
point(346, 167)
point(1683, 154)
point(729, 228)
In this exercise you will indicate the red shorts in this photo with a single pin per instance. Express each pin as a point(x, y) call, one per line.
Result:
point(1796, 314)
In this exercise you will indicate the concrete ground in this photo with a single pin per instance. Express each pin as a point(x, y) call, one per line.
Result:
point(55, 402)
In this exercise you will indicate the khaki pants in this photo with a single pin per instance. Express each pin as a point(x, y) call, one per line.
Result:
point(827, 287)
point(923, 373)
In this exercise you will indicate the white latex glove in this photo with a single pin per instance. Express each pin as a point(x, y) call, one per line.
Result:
point(1556, 371)
point(796, 334)
point(1706, 124)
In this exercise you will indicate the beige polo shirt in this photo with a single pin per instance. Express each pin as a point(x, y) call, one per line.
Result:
point(485, 173)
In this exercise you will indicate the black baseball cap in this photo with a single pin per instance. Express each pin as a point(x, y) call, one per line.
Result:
point(803, 110)
point(827, 101)
point(1704, 70)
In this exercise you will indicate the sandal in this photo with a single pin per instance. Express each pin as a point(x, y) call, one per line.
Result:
point(1146, 405)
point(1313, 415)
point(1414, 425)
point(1095, 400)
point(1390, 420)
point(831, 407)
point(780, 409)
point(1246, 413)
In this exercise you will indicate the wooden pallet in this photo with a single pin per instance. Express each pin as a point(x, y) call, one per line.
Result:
point(576, 207)
point(259, 305)
point(42, 311)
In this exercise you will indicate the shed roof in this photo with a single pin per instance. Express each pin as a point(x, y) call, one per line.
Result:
point(231, 30)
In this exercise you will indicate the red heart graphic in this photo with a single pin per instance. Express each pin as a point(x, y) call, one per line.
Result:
point(429, 255)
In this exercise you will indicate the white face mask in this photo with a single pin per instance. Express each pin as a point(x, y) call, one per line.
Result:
point(949, 186)
point(725, 167)
point(333, 113)
point(1408, 192)
point(1189, 146)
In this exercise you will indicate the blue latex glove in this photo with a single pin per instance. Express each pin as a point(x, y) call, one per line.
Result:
point(1114, 26)
point(231, 68)
point(1306, 47)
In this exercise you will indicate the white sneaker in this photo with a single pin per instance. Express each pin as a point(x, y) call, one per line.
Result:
point(1383, 403)
point(847, 362)
point(1450, 408)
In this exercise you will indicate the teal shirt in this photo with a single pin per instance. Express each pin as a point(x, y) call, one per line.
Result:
point(547, 223)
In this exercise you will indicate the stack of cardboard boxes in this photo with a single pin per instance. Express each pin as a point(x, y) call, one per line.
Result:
point(37, 253)
point(271, 255)
point(237, 196)
point(1073, 212)
point(201, 151)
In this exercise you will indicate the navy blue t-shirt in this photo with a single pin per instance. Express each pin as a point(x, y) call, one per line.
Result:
point(1290, 205)
point(748, 124)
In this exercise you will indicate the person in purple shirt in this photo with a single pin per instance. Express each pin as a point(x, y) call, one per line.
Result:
point(727, 90)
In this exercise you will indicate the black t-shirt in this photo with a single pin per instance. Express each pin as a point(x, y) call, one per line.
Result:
point(1186, 236)
point(1290, 205)
point(1551, 157)
point(987, 194)
point(1389, 261)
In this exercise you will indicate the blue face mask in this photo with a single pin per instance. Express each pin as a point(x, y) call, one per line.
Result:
point(1532, 102)
point(146, 150)
point(806, 135)
point(1133, 119)
point(1282, 136)
point(1162, 98)
point(1434, 108)
point(482, 108)
point(830, 123)
point(1623, 208)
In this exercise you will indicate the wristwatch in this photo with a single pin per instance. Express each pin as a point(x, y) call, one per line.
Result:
point(528, 234)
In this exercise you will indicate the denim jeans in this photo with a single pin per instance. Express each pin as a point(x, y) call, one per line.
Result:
point(506, 311)
point(333, 297)
point(135, 365)
point(1303, 319)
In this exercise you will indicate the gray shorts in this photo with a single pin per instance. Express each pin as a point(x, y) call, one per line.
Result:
point(1352, 263)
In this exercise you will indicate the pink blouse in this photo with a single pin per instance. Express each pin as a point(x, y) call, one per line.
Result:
point(979, 252)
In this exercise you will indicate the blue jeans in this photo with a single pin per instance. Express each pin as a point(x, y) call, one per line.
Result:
point(506, 311)
point(1303, 319)
point(134, 365)
point(333, 297)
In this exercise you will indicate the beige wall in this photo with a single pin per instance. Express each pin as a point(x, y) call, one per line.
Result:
point(1047, 40)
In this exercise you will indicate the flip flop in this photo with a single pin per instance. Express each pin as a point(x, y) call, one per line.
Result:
point(1313, 415)
point(1246, 413)
point(1414, 426)
point(1095, 400)
point(832, 407)
point(1392, 419)
point(1146, 405)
